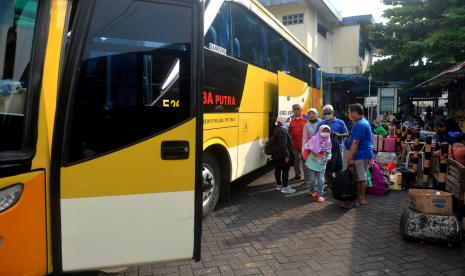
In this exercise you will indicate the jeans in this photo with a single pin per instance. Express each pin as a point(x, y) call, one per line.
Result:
point(281, 172)
point(298, 158)
point(321, 181)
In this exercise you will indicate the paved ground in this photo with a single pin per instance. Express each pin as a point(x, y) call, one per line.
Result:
point(262, 231)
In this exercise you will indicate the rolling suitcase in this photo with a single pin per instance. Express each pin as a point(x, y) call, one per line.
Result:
point(390, 144)
point(378, 143)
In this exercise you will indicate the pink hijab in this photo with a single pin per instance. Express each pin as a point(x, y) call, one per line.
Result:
point(318, 144)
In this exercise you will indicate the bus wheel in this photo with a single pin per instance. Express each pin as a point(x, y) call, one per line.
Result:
point(211, 180)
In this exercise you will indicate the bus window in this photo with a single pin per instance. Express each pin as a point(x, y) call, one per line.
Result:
point(219, 33)
point(276, 59)
point(132, 85)
point(17, 22)
point(295, 62)
point(249, 37)
point(307, 74)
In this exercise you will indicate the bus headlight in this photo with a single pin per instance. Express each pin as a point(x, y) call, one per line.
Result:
point(9, 196)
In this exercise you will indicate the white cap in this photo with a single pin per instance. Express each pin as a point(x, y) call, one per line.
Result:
point(281, 119)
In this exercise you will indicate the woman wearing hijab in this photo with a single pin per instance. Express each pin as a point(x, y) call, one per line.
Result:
point(310, 129)
point(318, 149)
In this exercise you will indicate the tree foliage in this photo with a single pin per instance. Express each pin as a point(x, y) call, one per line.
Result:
point(421, 38)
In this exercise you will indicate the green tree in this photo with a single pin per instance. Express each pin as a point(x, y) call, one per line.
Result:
point(421, 38)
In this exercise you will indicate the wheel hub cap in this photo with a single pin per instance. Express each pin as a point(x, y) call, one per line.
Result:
point(208, 180)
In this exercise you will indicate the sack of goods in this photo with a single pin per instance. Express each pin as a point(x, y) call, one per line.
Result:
point(417, 226)
point(343, 186)
point(379, 179)
point(386, 157)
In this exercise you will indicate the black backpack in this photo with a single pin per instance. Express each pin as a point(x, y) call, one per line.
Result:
point(343, 186)
point(271, 146)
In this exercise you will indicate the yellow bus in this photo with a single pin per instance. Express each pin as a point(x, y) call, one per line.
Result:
point(255, 70)
point(98, 169)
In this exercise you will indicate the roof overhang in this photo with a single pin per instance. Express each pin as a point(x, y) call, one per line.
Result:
point(327, 11)
point(434, 86)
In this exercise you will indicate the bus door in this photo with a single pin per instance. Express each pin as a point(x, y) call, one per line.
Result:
point(127, 138)
point(292, 91)
point(23, 31)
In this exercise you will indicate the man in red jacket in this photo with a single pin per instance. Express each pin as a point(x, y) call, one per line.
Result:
point(296, 129)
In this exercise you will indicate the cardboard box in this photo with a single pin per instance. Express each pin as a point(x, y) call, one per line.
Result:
point(431, 202)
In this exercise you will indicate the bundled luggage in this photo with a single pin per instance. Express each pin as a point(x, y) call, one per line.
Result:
point(417, 226)
point(379, 179)
point(386, 157)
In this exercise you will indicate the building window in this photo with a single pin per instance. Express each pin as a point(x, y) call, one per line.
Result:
point(322, 30)
point(293, 19)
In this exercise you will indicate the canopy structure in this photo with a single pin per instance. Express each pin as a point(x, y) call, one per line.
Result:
point(356, 85)
point(434, 86)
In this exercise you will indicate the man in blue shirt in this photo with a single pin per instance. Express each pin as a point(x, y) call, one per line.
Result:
point(337, 126)
point(360, 153)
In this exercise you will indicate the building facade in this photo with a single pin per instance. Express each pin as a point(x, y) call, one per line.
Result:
point(337, 43)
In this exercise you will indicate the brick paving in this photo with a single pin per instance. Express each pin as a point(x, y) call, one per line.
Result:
point(264, 232)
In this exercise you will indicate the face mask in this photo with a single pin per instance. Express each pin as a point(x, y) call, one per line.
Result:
point(329, 117)
point(324, 134)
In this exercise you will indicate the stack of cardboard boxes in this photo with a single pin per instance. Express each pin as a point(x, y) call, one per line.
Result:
point(429, 217)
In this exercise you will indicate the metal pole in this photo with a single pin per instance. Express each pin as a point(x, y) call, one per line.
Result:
point(369, 99)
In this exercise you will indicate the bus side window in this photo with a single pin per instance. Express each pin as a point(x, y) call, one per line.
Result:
point(295, 62)
point(307, 72)
point(219, 32)
point(275, 51)
point(250, 33)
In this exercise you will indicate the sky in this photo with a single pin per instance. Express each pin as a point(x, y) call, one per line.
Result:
point(358, 7)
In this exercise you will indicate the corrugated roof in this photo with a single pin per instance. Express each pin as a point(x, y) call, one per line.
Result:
point(433, 86)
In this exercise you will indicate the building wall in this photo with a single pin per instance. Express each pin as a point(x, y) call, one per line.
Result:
point(346, 59)
point(322, 45)
point(318, 46)
point(338, 52)
point(299, 30)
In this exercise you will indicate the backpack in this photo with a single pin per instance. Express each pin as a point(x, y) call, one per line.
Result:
point(271, 146)
point(379, 179)
point(343, 186)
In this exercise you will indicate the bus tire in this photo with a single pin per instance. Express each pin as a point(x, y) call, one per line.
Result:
point(211, 183)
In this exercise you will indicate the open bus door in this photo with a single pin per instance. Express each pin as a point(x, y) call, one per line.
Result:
point(293, 91)
point(125, 171)
point(23, 225)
